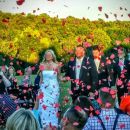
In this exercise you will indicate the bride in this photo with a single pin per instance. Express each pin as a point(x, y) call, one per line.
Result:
point(49, 87)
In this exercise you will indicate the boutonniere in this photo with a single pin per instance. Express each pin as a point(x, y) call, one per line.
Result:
point(73, 68)
point(89, 67)
point(84, 67)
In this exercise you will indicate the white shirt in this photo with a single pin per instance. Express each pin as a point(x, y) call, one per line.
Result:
point(97, 62)
point(121, 63)
point(78, 66)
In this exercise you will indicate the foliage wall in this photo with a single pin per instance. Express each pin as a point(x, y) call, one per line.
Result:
point(26, 36)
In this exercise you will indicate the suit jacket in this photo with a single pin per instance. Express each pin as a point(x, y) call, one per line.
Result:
point(103, 73)
point(88, 75)
point(117, 73)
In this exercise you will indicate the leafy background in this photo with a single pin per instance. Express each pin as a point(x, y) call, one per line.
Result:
point(25, 37)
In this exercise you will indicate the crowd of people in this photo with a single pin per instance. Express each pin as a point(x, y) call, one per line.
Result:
point(100, 92)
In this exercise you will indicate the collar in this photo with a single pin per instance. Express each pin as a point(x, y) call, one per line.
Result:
point(97, 58)
point(79, 59)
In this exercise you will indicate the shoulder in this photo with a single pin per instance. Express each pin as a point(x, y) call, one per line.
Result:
point(42, 63)
point(56, 64)
point(124, 116)
point(91, 123)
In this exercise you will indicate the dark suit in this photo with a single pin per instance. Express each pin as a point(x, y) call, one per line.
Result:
point(122, 75)
point(103, 73)
point(87, 77)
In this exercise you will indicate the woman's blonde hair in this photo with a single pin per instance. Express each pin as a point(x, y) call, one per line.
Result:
point(53, 55)
point(22, 120)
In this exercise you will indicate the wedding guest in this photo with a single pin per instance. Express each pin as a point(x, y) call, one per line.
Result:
point(11, 75)
point(13, 90)
point(120, 75)
point(7, 105)
point(125, 104)
point(110, 118)
point(6, 82)
point(74, 119)
point(82, 73)
point(89, 105)
point(26, 81)
point(101, 66)
point(26, 90)
point(50, 91)
point(22, 120)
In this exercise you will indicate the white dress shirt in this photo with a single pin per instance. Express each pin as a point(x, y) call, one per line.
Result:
point(97, 62)
point(78, 66)
point(121, 61)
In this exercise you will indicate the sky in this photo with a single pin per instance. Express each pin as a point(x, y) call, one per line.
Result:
point(75, 8)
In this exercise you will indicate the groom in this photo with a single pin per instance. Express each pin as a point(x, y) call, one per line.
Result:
point(82, 73)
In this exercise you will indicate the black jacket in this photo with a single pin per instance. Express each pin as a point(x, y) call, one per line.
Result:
point(88, 75)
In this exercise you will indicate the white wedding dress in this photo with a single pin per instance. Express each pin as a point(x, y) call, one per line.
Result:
point(48, 106)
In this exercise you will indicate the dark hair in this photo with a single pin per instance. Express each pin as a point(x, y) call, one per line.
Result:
point(106, 96)
point(122, 48)
point(84, 103)
point(74, 115)
point(80, 46)
point(96, 47)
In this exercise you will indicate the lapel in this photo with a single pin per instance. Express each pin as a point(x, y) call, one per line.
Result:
point(102, 61)
point(81, 70)
point(74, 69)
point(125, 63)
point(117, 66)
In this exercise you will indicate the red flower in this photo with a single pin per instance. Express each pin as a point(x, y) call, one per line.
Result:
point(108, 105)
point(41, 67)
point(58, 114)
point(106, 15)
point(75, 124)
point(87, 44)
point(63, 22)
point(20, 2)
point(70, 92)
point(43, 20)
point(112, 56)
point(41, 95)
point(19, 72)
point(88, 87)
point(122, 126)
point(66, 100)
point(100, 8)
point(56, 105)
point(44, 107)
point(79, 39)
point(127, 40)
point(33, 67)
point(119, 82)
point(107, 117)
point(78, 108)
point(129, 15)
point(108, 62)
point(5, 20)
point(105, 89)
